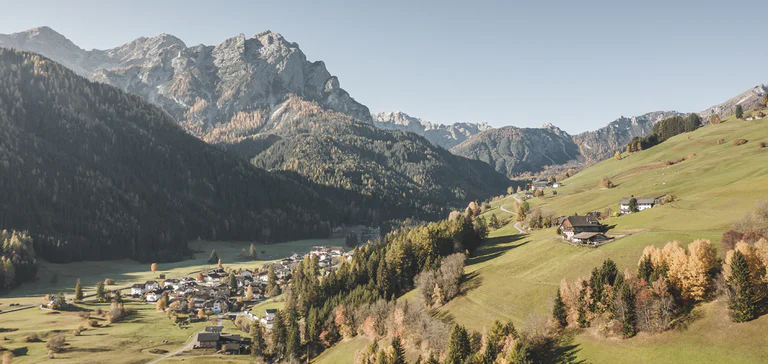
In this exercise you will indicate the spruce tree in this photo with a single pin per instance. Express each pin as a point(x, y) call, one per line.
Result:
point(100, 294)
point(398, 353)
point(645, 270)
point(458, 346)
point(558, 311)
point(293, 345)
point(258, 347)
point(214, 257)
point(432, 359)
point(232, 281)
point(739, 112)
point(629, 319)
point(279, 334)
point(742, 303)
point(78, 291)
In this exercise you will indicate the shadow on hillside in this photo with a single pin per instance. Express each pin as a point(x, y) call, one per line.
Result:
point(495, 247)
point(560, 349)
point(443, 316)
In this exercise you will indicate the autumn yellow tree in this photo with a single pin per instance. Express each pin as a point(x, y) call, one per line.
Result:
point(220, 266)
point(249, 293)
point(153, 267)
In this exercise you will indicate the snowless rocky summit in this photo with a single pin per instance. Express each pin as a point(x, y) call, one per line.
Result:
point(243, 79)
point(446, 136)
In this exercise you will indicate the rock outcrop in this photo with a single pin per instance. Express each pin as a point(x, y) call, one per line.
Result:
point(602, 143)
point(446, 136)
point(205, 88)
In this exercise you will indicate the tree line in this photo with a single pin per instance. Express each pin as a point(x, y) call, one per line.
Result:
point(17, 259)
point(664, 130)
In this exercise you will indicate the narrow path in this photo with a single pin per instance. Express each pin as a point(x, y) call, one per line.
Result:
point(17, 309)
point(517, 224)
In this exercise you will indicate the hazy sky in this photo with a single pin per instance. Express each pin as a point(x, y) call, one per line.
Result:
point(577, 64)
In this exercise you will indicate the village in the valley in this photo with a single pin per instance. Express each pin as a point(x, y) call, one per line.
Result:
point(224, 293)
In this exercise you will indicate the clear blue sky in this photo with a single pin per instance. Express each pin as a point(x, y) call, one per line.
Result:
point(577, 64)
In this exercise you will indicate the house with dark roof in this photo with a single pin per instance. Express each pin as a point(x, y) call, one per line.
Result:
point(208, 340)
point(573, 225)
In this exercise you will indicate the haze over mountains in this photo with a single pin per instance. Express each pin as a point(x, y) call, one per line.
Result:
point(255, 95)
point(259, 98)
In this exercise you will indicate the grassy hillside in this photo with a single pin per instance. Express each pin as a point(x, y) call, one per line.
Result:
point(516, 276)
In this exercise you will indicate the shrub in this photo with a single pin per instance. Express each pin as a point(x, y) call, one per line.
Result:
point(31, 338)
point(739, 142)
point(56, 343)
point(76, 332)
point(720, 141)
point(730, 238)
point(606, 182)
point(762, 145)
point(109, 281)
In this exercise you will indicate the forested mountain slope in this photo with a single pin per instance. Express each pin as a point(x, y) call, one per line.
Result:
point(512, 150)
point(260, 98)
point(93, 172)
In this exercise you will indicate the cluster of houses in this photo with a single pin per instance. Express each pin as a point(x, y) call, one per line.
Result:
point(209, 291)
point(542, 184)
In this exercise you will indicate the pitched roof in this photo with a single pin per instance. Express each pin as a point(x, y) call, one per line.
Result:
point(586, 235)
point(208, 336)
point(583, 221)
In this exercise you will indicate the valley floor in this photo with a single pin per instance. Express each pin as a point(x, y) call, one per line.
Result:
point(129, 341)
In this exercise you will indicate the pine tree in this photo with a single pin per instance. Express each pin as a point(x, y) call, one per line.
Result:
point(100, 294)
point(432, 359)
point(494, 223)
point(739, 112)
point(742, 303)
point(645, 270)
point(398, 353)
point(491, 351)
point(78, 291)
point(293, 345)
point(558, 311)
point(279, 334)
point(632, 204)
point(232, 281)
point(629, 318)
point(258, 347)
point(312, 330)
point(252, 252)
point(213, 258)
point(458, 346)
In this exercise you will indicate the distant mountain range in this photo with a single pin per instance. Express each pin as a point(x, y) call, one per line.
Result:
point(260, 98)
point(252, 94)
point(446, 136)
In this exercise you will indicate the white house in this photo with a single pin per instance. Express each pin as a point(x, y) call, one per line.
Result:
point(269, 318)
point(137, 289)
point(642, 203)
point(151, 285)
point(152, 297)
point(219, 306)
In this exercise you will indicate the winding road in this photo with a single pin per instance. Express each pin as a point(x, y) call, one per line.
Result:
point(517, 224)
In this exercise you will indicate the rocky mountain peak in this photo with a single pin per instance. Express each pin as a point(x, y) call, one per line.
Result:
point(203, 86)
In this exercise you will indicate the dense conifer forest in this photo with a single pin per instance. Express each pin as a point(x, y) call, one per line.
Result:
point(96, 173)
